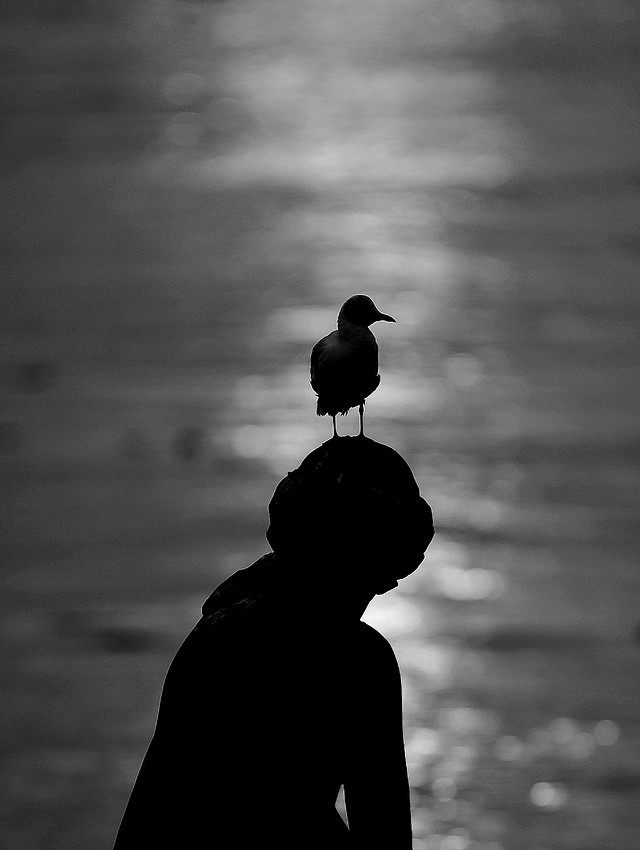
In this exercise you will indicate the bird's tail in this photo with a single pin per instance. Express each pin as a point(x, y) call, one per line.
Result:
point(320, 410)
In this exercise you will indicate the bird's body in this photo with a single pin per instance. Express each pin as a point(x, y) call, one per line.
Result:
point(344, 364)
point(344, 370)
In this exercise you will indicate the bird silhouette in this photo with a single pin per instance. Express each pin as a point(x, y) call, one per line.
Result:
point(344, 364)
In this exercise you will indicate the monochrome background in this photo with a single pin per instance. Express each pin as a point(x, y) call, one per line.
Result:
point(190, 190)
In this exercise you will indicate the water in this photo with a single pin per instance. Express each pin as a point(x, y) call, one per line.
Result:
point(190, 192)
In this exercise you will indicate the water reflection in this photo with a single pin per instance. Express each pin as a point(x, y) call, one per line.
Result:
point(182, 222)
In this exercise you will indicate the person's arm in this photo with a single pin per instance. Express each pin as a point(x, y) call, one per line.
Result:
point(375, 783)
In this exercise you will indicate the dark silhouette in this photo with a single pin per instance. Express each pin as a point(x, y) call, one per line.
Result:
point(344, 364)
point(281, 695)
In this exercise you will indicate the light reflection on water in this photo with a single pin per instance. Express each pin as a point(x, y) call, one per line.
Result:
point(479, 179)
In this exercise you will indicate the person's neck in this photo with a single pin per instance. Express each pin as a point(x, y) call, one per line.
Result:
point(303, 586)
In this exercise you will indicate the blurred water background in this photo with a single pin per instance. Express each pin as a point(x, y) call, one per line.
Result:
point(190, 191)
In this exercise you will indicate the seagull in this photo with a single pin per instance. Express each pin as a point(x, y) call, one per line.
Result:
point(344, 364)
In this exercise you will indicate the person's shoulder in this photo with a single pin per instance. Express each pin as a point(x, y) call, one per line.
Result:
point(373, 673)
point(370, 636)
point(240, 585)
point(374, 645)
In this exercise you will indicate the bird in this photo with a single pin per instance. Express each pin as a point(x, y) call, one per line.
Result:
point(344, 364)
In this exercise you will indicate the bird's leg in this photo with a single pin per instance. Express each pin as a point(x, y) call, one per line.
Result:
point(361, 412)
point(335, 430)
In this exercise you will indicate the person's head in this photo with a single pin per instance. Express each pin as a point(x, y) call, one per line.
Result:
point(352, 511)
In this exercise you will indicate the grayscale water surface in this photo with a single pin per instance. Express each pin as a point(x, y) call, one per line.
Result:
point(190, 191)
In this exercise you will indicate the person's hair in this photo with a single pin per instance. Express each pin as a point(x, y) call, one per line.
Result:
point(354, 502)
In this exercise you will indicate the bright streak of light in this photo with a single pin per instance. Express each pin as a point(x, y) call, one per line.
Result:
point(279, 446)
point(301, 324)
point(457, 839)
point(393, 615)
point(581, 746)
point(434, 663)
point(444, 788)
point(563, 729)
point(549, 795)
point(466, 720)
point(250, 441)
point(424, 745)
point(408, 395)
point(465, 585)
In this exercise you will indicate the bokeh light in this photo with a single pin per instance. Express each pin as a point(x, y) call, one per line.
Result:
point(190, 191)
point(549, 795)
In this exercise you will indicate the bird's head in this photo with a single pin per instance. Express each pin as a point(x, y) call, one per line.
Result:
point(360, 310)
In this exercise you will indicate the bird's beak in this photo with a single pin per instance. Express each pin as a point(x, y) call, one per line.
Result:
point(382, 317)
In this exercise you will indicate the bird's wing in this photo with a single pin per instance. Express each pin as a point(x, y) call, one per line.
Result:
point(316, 353)
point(322, 353)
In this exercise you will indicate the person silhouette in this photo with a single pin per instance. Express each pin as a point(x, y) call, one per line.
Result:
point(281, 695)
